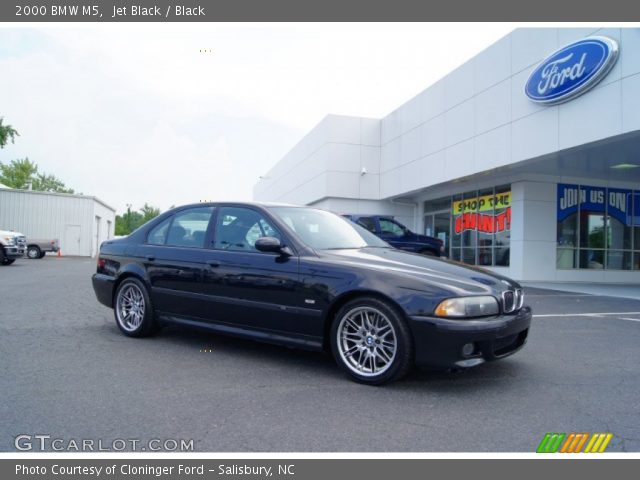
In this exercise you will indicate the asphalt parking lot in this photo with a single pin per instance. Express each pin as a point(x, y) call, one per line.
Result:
point(66, 371)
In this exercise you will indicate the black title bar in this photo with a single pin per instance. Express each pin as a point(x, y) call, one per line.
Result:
point(316, 10)
point(316, 469)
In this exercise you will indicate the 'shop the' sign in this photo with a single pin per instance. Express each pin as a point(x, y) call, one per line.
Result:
point(572, 70)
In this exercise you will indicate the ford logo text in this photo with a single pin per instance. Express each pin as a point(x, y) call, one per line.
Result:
point(572, 70)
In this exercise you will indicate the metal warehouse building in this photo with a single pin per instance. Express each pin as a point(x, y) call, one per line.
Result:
point(524, 160)
point(81, 223)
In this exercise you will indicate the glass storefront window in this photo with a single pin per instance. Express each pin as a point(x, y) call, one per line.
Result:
point(636, 223)
point(567, 240)
point(568, 232)
point(485, 256)
point(592, 259)
point(456, 238)
point(619, 260)
point(567, 258)
point(469, 235)
point(618, 234)
point(485, 235)
point(601, 222)
point(502, 215)
point(469, 256)
point(438, 204)
point(591, 230)
point(475, 225)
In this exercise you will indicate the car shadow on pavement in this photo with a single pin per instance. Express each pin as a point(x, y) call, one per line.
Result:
point(321, 367)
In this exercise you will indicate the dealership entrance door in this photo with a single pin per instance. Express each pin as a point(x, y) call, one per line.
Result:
point(438, 224)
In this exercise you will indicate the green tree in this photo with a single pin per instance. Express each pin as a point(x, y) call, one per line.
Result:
point(18, 173)
point(149, 212)
point(7, 132)
point(130, 220)
point(49, 183)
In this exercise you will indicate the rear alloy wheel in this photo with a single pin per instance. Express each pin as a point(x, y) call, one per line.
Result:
point(33, 252)
point(133, 310)
point(371, 341)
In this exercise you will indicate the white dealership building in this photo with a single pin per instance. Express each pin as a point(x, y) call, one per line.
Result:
point(80, 223)
point(524, 160)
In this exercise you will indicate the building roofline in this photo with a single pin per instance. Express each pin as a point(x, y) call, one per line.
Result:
point(58, 194)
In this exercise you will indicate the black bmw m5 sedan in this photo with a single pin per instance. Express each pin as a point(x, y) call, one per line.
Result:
point(304, 277)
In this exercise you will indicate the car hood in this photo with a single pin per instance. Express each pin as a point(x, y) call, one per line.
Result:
point(432, 272)
point(9, 233)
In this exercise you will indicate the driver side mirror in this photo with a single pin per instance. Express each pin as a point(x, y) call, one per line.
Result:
point(272, 245)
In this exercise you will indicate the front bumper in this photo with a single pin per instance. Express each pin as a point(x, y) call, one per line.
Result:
point(103, 287)
point(439, 341)
point(14, 252)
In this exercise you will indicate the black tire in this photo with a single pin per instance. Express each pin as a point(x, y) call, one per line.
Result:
point(428, 253)
point(142, 324)
point(399, 364)
point(33, 252)
point(3, 258)
point(42, 254)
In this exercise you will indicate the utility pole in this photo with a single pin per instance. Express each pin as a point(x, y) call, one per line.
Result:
point(128, 218)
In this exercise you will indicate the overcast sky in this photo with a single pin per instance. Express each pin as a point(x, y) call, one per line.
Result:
point(137, 113)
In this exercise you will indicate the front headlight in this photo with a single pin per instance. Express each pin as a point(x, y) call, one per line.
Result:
point(10, 240)
point(468, 307)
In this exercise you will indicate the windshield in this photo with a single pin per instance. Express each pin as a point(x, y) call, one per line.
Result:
point(323, 230)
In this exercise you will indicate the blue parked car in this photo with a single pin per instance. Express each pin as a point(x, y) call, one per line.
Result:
point(397, 235)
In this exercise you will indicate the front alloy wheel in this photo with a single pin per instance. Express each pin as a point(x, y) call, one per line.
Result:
point(133, 311)
point(371, 341)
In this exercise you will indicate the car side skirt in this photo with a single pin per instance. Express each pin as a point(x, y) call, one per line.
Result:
point(277, 338)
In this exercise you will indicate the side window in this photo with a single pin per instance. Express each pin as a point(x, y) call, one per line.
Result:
point(368, 223)
point(158, 235)
point(238, 228)
point(390, 227)
point(189, 227)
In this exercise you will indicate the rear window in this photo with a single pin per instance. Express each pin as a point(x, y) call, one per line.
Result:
point(184, 229)
point(368, 223)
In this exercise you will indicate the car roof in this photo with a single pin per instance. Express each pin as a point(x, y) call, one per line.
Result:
point(231, 202)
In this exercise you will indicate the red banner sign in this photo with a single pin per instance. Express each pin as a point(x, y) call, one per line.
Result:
point(485, 223)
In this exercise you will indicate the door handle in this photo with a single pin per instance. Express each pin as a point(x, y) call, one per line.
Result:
point(213, 263)
point(151, 258)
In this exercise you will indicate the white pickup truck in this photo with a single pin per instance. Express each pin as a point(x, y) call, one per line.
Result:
point(12, 245)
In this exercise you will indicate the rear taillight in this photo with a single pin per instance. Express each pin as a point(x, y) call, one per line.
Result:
point(101, 263)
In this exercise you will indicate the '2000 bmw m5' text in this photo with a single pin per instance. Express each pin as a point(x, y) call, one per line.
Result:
point(304, 277)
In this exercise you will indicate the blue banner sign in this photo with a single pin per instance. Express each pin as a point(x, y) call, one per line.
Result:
point(616, 201)
point(572, 70)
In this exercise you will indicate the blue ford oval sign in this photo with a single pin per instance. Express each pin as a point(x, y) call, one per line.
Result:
point(571, 71)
